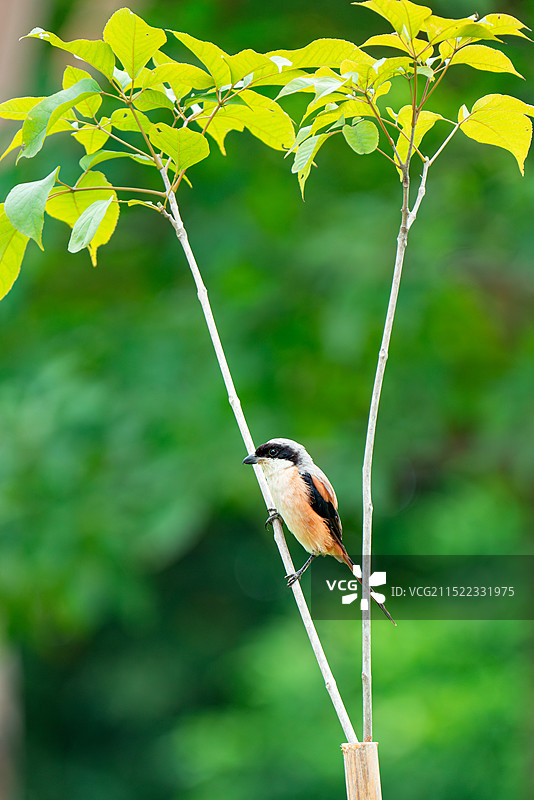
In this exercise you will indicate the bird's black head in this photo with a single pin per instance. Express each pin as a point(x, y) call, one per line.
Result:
point(281, 449)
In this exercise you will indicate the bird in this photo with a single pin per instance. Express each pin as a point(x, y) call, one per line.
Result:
point(305, 500)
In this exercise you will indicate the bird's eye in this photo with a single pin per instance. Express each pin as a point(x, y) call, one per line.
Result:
point(273, 451)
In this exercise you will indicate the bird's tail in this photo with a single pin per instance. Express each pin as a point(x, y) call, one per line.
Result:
point(350, 564)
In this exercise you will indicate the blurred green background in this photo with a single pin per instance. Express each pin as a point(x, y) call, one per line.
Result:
point(150, 649)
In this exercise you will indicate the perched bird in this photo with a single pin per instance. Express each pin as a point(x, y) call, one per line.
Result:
point(305, 499)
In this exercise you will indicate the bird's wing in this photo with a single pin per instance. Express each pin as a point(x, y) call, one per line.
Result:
point(324, 502)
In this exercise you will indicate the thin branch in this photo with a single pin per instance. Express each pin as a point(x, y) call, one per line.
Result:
point(420, 194)
point(382, 153)
point(414, 102)
point(408, 138)
point(407, 219)
point(330, 683)
point(154, 155)
point(213, 113)
point(446, 142)
point(122, 141)
point(375, 111)
point(443, 72)
point(437, 82)
point(177, 179)
point(111, 188)
point(368, 463)
point(367, 694)
point(423, 96)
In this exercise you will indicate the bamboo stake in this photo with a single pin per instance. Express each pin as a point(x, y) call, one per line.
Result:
point(329, 680)
point(362, 773)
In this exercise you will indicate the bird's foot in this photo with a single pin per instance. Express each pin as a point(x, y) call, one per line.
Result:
point(273, 514)
point(296, 576)
point(291, 579)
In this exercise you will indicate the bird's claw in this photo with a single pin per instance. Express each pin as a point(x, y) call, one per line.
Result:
point(273, 514)
point(291, 579)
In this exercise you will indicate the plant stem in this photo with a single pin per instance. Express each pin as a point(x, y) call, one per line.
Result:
point(420, 194)
point(407, 219)
point(155, 157)
point(368, 462)
point(330, 683)
point(118, 139)
point(375, 111)
point(446, 142)
point(111, 189)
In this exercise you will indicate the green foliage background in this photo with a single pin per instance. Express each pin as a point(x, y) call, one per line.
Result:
point(161, 656)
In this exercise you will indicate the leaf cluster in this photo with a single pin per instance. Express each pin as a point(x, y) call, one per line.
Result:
point(164, 112)
point(348, 96)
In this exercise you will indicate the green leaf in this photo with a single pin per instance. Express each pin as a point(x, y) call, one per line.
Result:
point(150, 99)
point(305, 152)
point(25, 206)
point(12, 249)
point(18, 107)
point(124, 120)
point(264, 118)
point(322, 53)
point(48, 111)
point(362, 74)
point(145, 203)
point(248, 63)
point(351, 108)
point(68, 206)
point(89, 107)
point(425, 121)
point(304, 157)
point(361, 137)
point(185, 147)
point(60, 126)
point(180, 77)
point(484, 58)
point(15, 142)
point(388, 68)
point(417, 46)
point(500, 120)
point(302, 134)
point(97, 53)
point(92, 159)
point(427, 72)
point(125, 81)
point(440, 29)
point(210, 55)
point(303, 83)
point(405, 17)
point(275, 76)
point(91, 138)
point(132, 40)
point(87, 225)
point(221, 123)
point(374, 76)
point(504, 25)
point(323, 83)
point(346, 110)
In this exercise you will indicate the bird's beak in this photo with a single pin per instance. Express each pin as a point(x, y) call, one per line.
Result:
point(250, 459)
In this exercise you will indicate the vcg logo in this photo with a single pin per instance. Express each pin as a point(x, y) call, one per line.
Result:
point(350, 588)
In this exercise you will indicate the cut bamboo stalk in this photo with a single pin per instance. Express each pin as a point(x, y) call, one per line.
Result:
point(362, 773)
